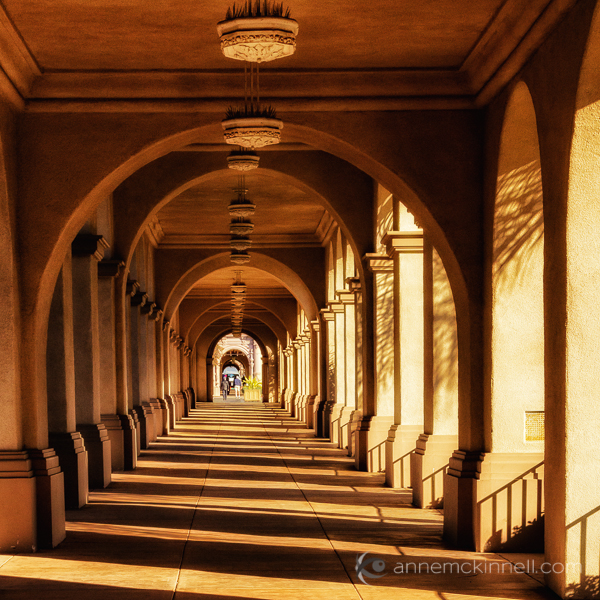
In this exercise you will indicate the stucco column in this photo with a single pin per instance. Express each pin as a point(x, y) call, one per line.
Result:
point(339, 372)
point(132, 288)
point(122, 368)
point(163, 420)
point(378, 403)
point(149, 311)
point(87, 250)
point(60, 368)
point(440, 434)
point(328, 342)
point(406, 251)
point(311, 365)
point(317, 377)
point(60, 376)
point(296, 358)
point(265, 378)
point(347, 299)
point(118, 425)
point(139, 369)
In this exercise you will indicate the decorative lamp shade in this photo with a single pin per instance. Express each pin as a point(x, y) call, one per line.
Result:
point(241, 210)
point(241, 244)
point(252, 132)
point(243, 161)
point(241, 228)
point(258, 39)
point(240, 258)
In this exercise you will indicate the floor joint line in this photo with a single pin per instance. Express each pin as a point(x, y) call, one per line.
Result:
point(314, 512)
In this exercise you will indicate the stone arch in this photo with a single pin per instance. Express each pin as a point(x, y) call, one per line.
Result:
point(517, 270)
point(288, 277)
point(203, 321)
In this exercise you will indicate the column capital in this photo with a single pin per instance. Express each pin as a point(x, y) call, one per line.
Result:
point(316, 325)
point(403, 242)
point(327, 314)
point(336, 307)
point(132, 287)
point(354, 284)
point(378, 263)
point(345, 296)
point(148, 307)
point(139, 299)
point(166, 324)
point(158, 313)
point(110, 268)
point(86, 244)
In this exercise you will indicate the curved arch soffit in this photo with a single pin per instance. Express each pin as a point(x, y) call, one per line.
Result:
point(518, 195)
point(214, 174)
point(211, 347)
point(192, 343)
point(227, 303)
point(289, 278)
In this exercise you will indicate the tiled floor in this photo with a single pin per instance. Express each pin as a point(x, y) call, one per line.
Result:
point(241, 502)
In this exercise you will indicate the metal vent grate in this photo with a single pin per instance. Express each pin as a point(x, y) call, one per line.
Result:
point(534, 426)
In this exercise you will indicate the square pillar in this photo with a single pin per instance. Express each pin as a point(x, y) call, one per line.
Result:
point(373, 429)
point(87, 250)
point(406, 250)
point(60, 384)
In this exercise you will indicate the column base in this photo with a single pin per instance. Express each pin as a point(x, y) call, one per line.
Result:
point(73, 458)
point(301, 408)
point(293, 402)
point(163, 417)
point(332, 415)
point(130, 442)
point(18, 519)
point(157, 417)
point(50, 498)
point(138, 437)
point(370, 436)
point(172, 411)
point(311, 400)
point(178, 399)
point(399, 448)
point(429, 465)
point(494, 502)
point(354, 423)
point(97, 444)
point(344, 425)
point(115, 435)
point(144, 415)
point(318, 425)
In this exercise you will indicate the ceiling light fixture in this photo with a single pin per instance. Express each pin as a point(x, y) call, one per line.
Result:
point(258, 32)
point(243, 160)
point(255, 32)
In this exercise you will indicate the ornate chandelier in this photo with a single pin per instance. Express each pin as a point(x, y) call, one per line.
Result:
point(238, 300)
point(240, 209)
point(254, 32)
point(258, 32)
